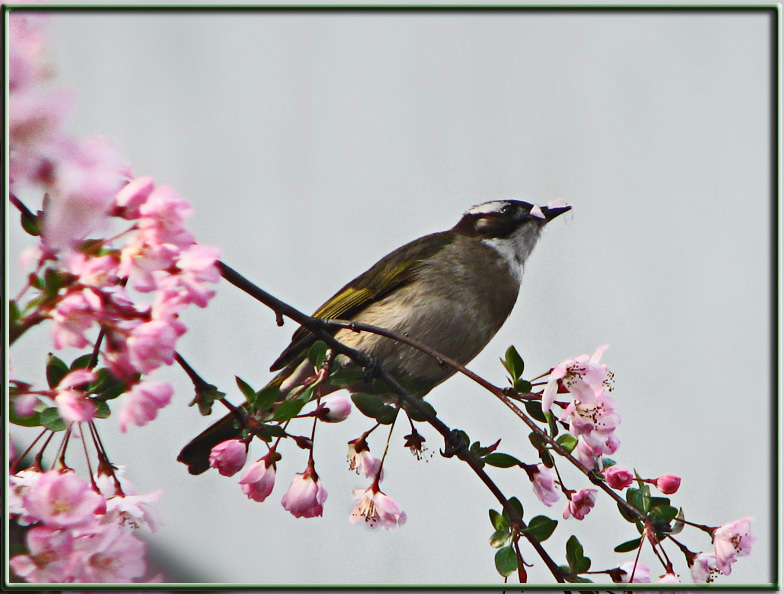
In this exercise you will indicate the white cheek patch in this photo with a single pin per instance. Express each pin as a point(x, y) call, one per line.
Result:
point(507, 250)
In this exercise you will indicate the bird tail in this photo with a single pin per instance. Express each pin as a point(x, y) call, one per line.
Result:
point(196, 455)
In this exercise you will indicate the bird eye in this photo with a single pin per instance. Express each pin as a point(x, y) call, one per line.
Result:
point(509, 210)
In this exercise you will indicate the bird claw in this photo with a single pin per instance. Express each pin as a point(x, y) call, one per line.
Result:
point(455, 444)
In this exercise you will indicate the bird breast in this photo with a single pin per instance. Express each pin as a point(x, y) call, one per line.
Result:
point(455, 304)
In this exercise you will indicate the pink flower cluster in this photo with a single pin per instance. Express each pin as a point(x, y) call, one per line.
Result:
point(76, 534)
point(88, 191)
point(591, 414)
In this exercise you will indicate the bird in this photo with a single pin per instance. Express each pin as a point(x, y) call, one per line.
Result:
point(450, 290)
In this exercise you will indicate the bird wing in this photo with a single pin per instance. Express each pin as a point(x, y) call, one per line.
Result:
point(394, 270)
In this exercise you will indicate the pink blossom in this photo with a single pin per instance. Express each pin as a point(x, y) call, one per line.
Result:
point(72, 316)
point(258, 480)
point(668, 483)
point(334, 408)
point(126, 506)
point(305, 496)
point(96, 271)
point(582, 376)
point(732, 540)
point(603, 443)
point(580, 503)
point(24, 404)
point(110, 553)
point(229, 456)
point(34, 116)
point(19, 486)
point(143, 256)
point(141, 404)
point(153, 344)
point(87, 176)
point(63, 499)
point(74, 406)
point(669, 578)
point(377, 509)
point(75, 378)
point(703, 567)
point(360, 460)
point(131, 197)
point(50, 556)
point(26, 42)
point(544, 485)
point(163, 217)
point(634, 573)
point(618, 477)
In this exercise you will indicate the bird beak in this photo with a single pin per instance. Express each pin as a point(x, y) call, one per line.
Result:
point(554, 211)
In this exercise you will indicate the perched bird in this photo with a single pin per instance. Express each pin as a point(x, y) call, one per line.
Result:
point(450, 290)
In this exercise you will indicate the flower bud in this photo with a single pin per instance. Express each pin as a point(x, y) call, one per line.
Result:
point(229, 456)
point(668, 483)
point(334, 409)
point(618, 477)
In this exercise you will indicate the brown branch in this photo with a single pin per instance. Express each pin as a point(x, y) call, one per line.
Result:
point(319, 328)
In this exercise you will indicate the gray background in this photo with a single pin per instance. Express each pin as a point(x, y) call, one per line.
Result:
point(311, 144)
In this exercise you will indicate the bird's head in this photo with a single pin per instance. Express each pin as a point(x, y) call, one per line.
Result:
point(511, 227)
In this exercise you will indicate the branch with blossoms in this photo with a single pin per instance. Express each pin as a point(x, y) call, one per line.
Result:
point(113, 269)
point(581, 435)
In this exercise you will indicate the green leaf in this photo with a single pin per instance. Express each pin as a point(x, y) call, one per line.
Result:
point(107, 386)
point(266, 397)
point(567, 441)
point(14, 315)
point(578, 562)
point(546, 458)
point(516, 505)
point(82, 362)
point(513, 362)
point(317, 353)
point(662, 515)
point(268, 432)
point(31, 223)
point(103, 411)
point(287, 409)
point(33, 420)
point(50, 419)
point(501, 460)
point(346, 377)
point(627, 546)
point(247, 391)
point(506, 561)
point(498, 521)
point(678, 525)
point(56, 370)
point(205, 395)
point(387, 414)
point(499, 538)
point(535, 410)
point(629, 517)
point(415, 413)
point(551, 421)
point(542, 527)
point(368, 404)
point(523, 387)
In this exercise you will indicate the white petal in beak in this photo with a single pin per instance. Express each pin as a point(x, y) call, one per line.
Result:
point(537, 212)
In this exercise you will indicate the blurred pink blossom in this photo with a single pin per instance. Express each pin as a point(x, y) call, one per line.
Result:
point(141, 404)
point(360, 460)
point(63, 499)
point(703, 567)
point(50, 556)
